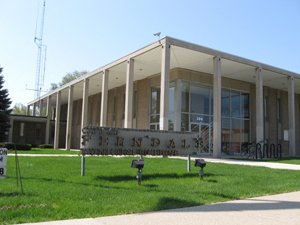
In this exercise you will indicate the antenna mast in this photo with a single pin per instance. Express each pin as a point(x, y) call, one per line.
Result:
point(40, 66)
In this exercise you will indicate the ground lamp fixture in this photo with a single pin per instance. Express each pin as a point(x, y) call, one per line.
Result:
point(200, 163)
point(139, 164)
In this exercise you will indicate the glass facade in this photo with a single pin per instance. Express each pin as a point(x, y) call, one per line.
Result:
point(155, 106)
point(197, 114)
point(235, 120)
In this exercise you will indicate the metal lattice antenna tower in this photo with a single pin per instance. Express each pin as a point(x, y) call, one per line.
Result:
point(40, 66)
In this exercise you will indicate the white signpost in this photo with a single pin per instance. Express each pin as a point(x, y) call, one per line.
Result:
point(3, 162)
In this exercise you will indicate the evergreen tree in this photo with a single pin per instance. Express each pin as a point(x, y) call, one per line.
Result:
point(4, 110)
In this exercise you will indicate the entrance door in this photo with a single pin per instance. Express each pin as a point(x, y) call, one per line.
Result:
point(204, 131)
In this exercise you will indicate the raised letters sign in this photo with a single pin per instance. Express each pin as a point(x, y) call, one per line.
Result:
point(3, 162)
point(125, 141)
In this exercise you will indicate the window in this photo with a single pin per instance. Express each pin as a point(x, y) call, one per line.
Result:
point(38, 131)
point(22, 125)
point(279, 110)
point(155, 106)
point(200, 99)
point(235, 120)
point(115, 108)
point(245, 105)
point(185, 97)
point(266, 108)
point(91, 113)
point(124, 103)
point(155, 100)
point(225, 105)
point(134, 104)
point(235, 104)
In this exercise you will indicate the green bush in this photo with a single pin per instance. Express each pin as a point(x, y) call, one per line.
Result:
point(11, 146)
point(46, 146)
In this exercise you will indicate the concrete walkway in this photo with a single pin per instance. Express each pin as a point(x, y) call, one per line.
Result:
point(252, 163)
point(273, 209)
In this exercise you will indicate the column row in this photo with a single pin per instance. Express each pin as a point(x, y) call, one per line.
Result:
point(164, 103)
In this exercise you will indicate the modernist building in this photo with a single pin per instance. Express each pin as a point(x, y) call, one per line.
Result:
point(174, 85)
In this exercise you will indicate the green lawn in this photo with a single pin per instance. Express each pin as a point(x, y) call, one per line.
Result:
point(55, 190)
point(288, 160)
point(46, 151)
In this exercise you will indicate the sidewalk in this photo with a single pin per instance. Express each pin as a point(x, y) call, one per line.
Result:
point(272, 165)
point(273, 210)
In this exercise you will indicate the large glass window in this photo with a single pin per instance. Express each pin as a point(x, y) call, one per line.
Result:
point(185, 97)
point(172, 97)
point(155, 106)
point(197, 110)
point(245, 105)
point(155, 100)
point(200, 99)
point(235, 104)
point(235, 121)
point(185, 122)
point(225, 105)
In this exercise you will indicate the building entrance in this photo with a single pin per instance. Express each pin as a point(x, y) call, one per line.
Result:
point(205, 132)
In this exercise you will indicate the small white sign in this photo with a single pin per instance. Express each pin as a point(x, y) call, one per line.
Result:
point(3, 162)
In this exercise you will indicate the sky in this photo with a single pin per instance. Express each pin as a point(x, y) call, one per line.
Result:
point(88, 34)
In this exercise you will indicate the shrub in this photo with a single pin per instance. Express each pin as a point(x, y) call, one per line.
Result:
point(11, 146)
point(46, 146)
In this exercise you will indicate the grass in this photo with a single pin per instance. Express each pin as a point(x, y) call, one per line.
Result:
point(46, 151)
point(55, 190)
point(288, 160)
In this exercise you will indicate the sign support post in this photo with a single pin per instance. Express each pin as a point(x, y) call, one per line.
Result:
point(189, 163)
point(82, 165)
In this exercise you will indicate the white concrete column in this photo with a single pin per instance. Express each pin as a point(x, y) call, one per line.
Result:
point(10, 133)
point(217, 107)
point(104, 97)
point(48, 120)
point(177, 105)
point(164, 88)
point(259, 106)
point(41, 107)
point(69, 118)
point(84, 105)
point(57, 121)
point(129, 94)
point(291, 106)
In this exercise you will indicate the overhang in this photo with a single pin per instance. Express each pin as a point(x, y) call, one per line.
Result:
point(147, 62)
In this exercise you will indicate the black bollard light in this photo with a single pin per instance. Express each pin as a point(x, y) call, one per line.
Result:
point(200, 163)
point(139, 164)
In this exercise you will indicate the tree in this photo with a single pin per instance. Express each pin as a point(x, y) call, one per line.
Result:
point(19, 109)
point(68, 78)
point(4, 110)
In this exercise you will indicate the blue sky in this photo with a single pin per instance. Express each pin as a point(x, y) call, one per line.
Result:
point(87, 34)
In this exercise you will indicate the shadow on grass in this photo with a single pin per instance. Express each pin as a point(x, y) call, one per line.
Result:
point(72, 182)
point(172, 203)
point(122, 178)
point(13, 194)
